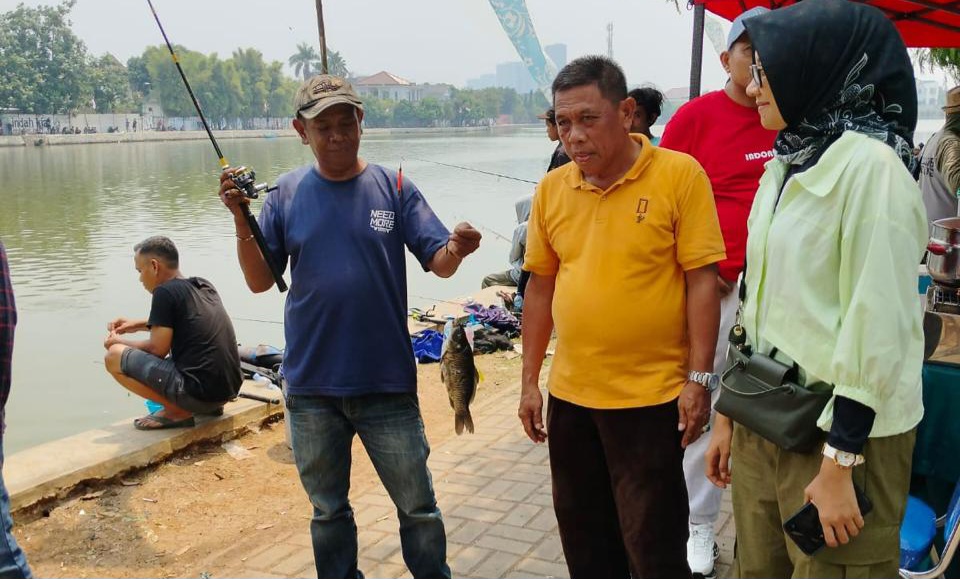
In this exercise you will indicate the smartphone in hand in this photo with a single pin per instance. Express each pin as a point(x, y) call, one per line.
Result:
point(805, 529)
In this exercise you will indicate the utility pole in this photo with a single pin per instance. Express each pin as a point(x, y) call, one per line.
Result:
point(696, 58)
point(610, 40)
point(323, 38)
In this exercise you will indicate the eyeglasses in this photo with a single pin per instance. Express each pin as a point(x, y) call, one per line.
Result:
point(756, 71)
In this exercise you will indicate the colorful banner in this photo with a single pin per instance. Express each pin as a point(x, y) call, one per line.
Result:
point(516, 22)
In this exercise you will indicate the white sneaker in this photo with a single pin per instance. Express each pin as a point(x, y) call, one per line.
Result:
point(702, 550)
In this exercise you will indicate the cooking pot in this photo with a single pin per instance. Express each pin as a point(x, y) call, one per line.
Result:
point(943, 251)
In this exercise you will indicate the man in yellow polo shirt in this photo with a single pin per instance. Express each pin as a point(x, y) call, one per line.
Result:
point(622, 247)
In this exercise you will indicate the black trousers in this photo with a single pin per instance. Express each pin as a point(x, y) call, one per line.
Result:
point(618, 491)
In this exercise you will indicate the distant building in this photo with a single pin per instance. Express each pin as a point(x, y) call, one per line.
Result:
point(482, 82)
point(930, 97)
point(387, 86)
point(557, 53)
point(516, 76)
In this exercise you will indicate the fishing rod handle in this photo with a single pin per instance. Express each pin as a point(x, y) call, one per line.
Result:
point(262, 244)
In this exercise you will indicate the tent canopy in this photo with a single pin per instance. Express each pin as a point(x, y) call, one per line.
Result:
point(922, 23)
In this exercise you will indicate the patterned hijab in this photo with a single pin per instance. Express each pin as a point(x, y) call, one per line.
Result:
point(835, 66)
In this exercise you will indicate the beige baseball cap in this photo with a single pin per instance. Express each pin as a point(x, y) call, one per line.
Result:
point(953, 100)
point(321, 92)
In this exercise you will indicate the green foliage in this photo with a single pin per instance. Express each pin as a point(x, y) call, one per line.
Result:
point(137, 75)
point(336, 64)
point(305, 61)
point(463, 108)
point(110, 86)
point(242, 86)
point(377, 112)
point(43, 64)
point(946, 58)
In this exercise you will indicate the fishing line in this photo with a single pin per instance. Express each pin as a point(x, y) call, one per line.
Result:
point(500, 175)
point(485, 228)
point(255, 320)
point(438, 300)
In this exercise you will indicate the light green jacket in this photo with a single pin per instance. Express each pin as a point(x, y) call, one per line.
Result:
point(832, 277)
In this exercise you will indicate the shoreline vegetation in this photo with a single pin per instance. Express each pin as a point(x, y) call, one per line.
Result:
point(42, 140)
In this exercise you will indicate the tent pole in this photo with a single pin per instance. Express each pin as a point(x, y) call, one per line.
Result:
point(696, 57)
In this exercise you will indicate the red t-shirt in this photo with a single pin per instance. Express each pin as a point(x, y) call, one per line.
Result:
point(731, 144)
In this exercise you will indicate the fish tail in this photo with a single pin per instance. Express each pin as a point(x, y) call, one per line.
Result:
point(463, 421)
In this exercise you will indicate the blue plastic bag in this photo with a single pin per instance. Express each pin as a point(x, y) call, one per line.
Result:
point(427, 345)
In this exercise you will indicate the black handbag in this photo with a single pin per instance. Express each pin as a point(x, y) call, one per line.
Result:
point(763, 395)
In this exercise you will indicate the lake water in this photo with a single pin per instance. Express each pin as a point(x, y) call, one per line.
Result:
point(72, 214)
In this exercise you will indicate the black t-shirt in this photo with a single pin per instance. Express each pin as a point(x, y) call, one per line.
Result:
point(559, 158)
point(204, 345)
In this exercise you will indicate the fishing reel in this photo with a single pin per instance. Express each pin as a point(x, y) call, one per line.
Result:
point(246, 181)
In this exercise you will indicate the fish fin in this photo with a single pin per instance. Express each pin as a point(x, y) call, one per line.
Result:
point(468, 421)
point(477, 375)
point(443, 373)
point(458, 424)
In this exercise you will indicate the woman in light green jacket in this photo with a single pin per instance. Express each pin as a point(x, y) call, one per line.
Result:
point(835, 235)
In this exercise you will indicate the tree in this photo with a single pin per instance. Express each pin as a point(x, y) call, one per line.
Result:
point(946, 58)
point(43, 64)
point(405, 114)
point(168, 86)
point(109, 85)
point(253, 81)
point(280, 91)
point(305, 60)
point(336, 65)
point(137, 75)
point(377, 112)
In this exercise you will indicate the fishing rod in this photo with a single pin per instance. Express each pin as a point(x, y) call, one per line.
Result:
point(475, 170)
point(243, 179)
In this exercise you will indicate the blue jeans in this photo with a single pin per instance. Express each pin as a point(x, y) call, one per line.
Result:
point(391, 430)
point(13, 563)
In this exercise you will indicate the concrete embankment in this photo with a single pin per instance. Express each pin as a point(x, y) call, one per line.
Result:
point(50, 471)
point(152, 136)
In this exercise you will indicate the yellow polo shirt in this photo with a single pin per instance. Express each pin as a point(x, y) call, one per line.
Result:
point(619, 256)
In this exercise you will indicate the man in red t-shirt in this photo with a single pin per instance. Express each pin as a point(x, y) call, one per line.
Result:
point(722, 131)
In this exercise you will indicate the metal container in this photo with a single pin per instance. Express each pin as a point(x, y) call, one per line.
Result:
point(941, 333)
point(943, 251)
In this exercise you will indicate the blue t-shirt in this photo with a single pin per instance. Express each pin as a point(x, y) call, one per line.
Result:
point(346, 312)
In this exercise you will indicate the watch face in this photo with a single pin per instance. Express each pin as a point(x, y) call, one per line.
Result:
point(845, 458)
point(713, 382)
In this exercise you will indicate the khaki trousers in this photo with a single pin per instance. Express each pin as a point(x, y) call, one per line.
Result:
point(768, 485)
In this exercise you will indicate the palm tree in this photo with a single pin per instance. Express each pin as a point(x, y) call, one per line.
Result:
point(336, 65)
point(305, 61)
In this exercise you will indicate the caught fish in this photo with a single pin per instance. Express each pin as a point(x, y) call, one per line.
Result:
point(459, 374)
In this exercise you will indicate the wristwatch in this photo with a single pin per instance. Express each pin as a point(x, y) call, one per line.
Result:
point(842, 458)
point(709, 381)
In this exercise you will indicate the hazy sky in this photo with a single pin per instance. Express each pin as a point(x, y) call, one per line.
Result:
point(421, 40)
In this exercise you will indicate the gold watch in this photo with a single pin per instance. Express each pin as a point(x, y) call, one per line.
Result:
point(842, 458)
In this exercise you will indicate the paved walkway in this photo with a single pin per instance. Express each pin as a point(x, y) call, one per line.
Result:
point(494, 491)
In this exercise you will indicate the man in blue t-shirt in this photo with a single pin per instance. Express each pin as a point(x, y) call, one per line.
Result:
point(342, 225)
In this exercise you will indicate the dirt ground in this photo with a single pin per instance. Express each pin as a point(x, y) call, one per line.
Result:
point(167, 520)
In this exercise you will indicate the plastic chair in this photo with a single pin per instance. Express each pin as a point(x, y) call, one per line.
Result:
point(917, 535)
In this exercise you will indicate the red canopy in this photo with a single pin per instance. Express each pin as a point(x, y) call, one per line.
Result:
point(922, 23)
